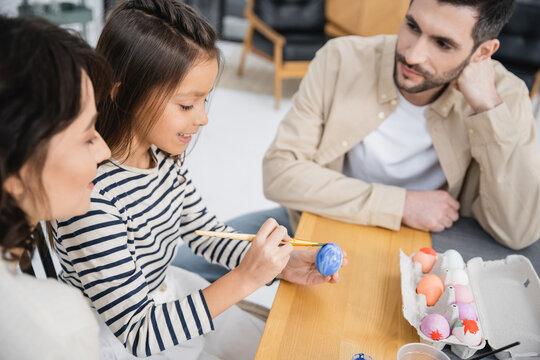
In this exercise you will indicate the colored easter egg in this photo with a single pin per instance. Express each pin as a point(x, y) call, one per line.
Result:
point(329, 259)
point(463, 294)
point(467, 331)
point(455, 277)
point(435, 327)
point(427, 257)
point(467, 311)
point(454, 259)
point(432, 287)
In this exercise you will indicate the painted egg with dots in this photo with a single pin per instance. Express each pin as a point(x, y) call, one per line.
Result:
point(329, 259)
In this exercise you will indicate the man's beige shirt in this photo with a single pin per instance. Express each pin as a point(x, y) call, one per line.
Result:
point(491, 160)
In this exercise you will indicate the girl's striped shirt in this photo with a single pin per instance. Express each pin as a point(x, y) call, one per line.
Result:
point(118, 252)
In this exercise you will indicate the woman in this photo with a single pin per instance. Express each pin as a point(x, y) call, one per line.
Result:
point(49, 150)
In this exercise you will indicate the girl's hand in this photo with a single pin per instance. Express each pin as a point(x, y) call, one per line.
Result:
point(301, 269)
point(267, 256)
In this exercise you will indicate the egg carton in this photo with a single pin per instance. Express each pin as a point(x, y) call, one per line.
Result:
point(506, 298)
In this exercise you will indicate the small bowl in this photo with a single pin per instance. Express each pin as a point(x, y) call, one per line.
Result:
point(419, 351)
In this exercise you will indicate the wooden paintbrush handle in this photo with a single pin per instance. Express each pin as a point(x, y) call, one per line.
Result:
point(226, 235)
point(248, 237)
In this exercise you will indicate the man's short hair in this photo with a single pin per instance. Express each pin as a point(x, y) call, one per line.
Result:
point(492, 16)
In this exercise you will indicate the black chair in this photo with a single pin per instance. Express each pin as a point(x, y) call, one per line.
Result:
point(286, 32)
point(520, 44)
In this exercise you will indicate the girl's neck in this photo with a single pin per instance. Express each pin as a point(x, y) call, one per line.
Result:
point(139, 156)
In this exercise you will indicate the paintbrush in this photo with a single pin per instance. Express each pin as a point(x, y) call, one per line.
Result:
point(481, 356)
point(249, 237)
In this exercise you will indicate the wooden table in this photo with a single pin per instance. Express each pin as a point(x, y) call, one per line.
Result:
point(360, 314)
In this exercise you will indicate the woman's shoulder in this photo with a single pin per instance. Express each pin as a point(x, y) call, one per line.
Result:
point(29, 293)
point(42, 307)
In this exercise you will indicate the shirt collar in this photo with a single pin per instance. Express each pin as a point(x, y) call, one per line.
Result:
point(446, 101)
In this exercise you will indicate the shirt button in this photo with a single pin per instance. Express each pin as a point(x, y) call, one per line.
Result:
point(444, 109)
point(163, 287)
point(471, 131)
point(381, 115)
point(383, 96)
point(393, 102)
point(344, 143)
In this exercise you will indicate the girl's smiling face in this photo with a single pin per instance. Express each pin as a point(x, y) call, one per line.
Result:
point(184, 111)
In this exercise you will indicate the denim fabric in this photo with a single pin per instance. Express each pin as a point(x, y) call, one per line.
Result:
point(248, 223)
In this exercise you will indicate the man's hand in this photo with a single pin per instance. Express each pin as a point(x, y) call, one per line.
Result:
point(269, 253)
point(430, 210)
point(301, 269)
point(477, 83)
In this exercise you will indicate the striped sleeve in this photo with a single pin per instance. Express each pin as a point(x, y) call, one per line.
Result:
point(195, 216)
point(97, 246)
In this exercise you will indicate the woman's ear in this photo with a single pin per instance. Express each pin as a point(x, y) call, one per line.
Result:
point(14, 186)
point(485, 50)
point(114, 90)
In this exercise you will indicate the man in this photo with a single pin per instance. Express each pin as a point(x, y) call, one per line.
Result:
point(414, 129)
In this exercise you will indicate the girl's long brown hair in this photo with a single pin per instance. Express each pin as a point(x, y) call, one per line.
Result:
point(151, 45)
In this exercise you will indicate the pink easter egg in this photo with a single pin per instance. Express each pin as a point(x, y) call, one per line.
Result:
point(466, 311)
point(463, 294)
point(435, 327)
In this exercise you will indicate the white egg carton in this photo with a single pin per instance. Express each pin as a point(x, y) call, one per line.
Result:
point(506, 298)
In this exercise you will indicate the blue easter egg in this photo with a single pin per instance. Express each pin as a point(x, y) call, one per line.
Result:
point(329, 259)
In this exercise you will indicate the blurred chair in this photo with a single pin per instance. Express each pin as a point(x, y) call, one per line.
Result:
point(520, 44)
point(286, 32)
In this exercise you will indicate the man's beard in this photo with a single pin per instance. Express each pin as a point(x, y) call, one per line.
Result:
point(430, 81)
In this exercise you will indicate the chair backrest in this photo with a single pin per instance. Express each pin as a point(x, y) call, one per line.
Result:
point(292, 16)
point(520, 38)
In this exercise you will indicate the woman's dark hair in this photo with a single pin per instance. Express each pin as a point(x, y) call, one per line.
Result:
point(40, 95)
point(151, 45)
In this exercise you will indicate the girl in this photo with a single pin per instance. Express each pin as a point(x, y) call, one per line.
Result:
point(165, 62)
point(48, 155)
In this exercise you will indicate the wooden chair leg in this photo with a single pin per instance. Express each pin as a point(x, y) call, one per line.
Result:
point(248, 40)
point(278, 61)
point(277, 88)
point(536, 85)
